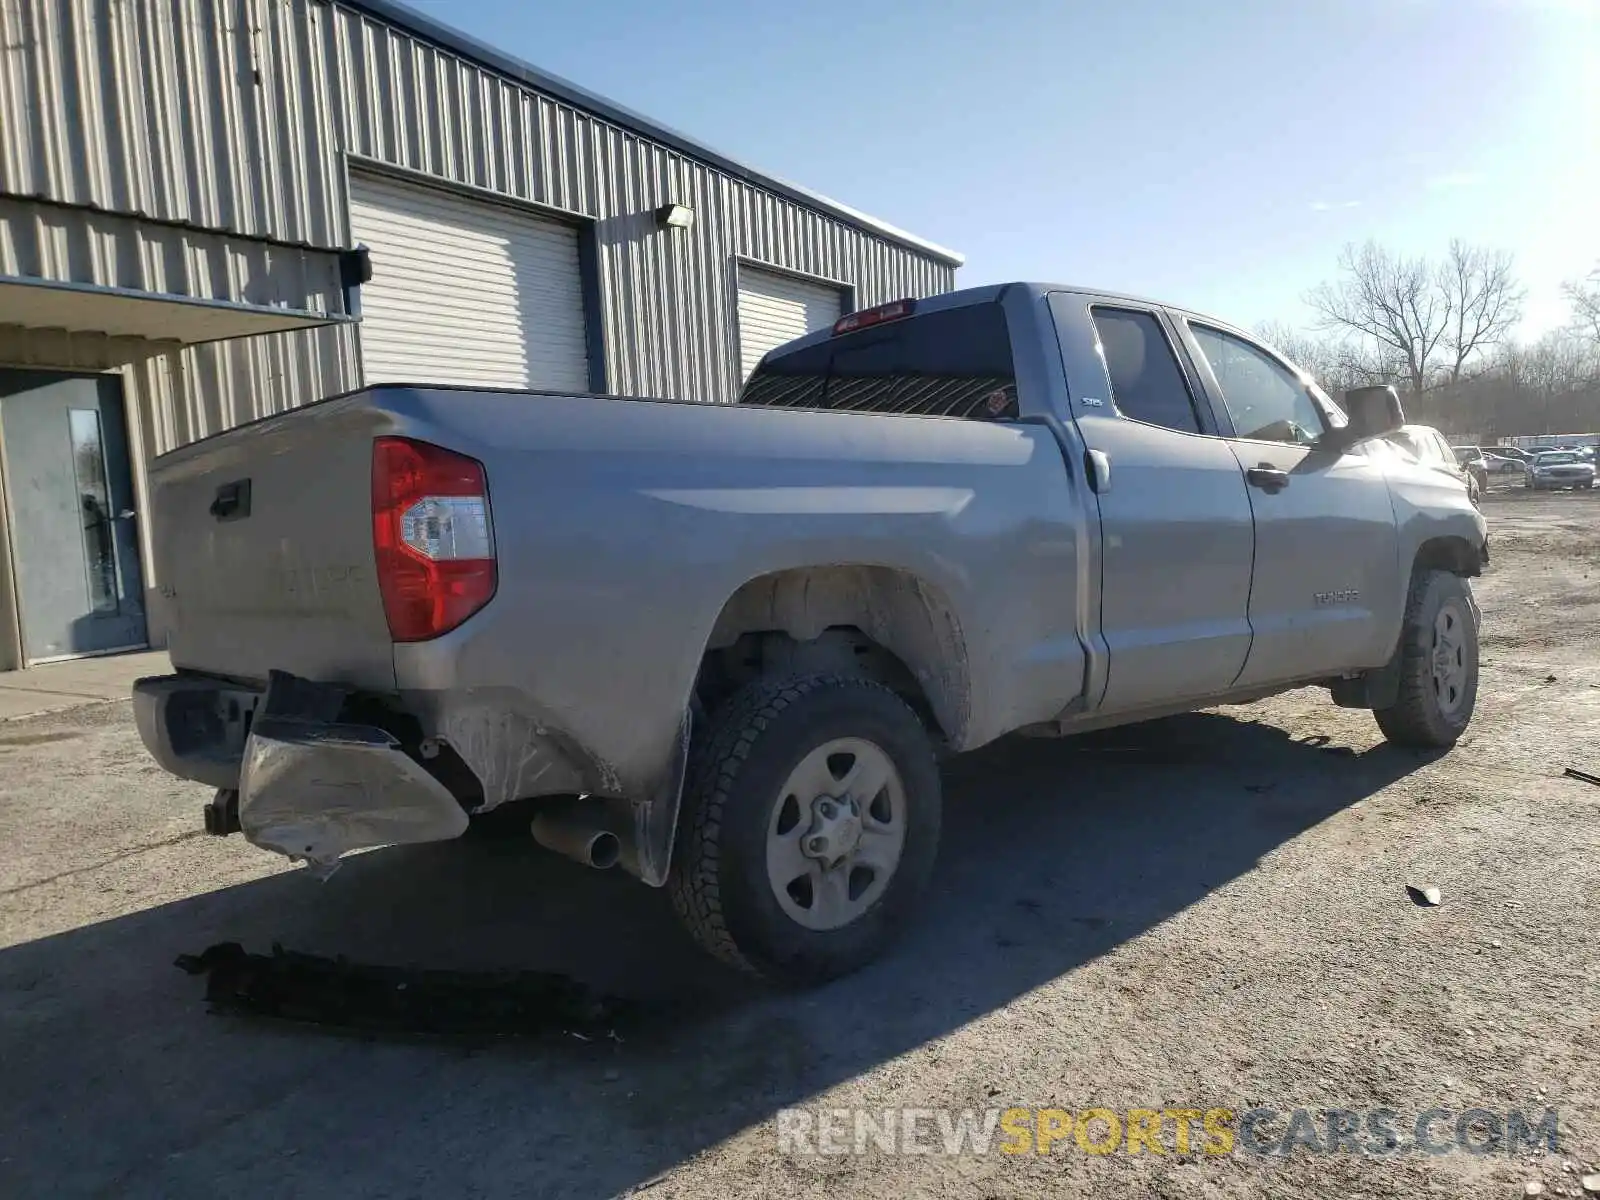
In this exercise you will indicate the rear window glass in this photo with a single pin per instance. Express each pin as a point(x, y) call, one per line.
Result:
point(955, 363)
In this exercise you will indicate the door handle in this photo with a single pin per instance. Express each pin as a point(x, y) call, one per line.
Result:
point(1267, 477)
point(1097, 465)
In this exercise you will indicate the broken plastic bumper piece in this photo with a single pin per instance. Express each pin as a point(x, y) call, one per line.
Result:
point(314, 788)
point(316, 792)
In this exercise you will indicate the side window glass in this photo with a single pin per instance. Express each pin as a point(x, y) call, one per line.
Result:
point(1266, 400)
point(1146, 382)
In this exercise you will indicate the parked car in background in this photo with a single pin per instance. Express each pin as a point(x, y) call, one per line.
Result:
point(1473, 461)
point(1556, 469)
point(1429, 447)
point(722, 646)
point(1513, 452)
point(1503, 465)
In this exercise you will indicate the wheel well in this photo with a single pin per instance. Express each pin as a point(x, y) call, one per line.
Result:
point(1453, 554)
point(883, 623)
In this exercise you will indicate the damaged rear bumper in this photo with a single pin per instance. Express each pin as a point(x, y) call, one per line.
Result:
point(310, 785)
point(317, 791)
point(315, 770)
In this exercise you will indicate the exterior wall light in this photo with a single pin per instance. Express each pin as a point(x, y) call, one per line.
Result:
point(674, 216)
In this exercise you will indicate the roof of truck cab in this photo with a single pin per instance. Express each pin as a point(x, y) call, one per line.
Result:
point(991, 292)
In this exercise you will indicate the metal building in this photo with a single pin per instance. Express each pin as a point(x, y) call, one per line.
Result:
point(183, 188)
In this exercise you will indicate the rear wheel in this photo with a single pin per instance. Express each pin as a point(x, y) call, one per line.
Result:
point(1438, 664)
point(810, 824)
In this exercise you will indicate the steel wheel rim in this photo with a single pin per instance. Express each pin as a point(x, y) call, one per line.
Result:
point(1449, 659)
point(836, 833)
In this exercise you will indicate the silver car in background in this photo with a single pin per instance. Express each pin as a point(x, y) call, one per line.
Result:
point(1559, 469)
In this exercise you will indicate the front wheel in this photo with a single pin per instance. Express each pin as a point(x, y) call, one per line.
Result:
point(1438, 664)
point(810, 824)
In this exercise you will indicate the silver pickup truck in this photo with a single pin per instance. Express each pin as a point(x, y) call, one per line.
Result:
point(726, 645)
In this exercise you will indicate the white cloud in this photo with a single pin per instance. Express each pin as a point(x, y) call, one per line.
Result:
point(1455, 179)
point(1331, 205)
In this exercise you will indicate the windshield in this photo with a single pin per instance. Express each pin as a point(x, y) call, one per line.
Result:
point(1555, 460)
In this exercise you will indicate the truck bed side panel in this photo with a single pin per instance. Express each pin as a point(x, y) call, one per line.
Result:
point(623, 529)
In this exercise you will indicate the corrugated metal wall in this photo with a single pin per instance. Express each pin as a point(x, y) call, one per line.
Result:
point(232, 115)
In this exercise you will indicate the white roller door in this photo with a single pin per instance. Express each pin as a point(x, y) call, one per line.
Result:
point(774, 309)
point(466, 291)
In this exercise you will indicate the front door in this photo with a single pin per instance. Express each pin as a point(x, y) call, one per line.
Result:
point(1326, 545)
point(1176, 538)
point(73, 532)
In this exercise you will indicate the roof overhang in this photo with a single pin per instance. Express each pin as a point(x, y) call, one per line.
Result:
point(123, 312)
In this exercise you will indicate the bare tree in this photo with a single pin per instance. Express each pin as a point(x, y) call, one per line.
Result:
point(1317, 356)
point(1584, 295)
point(1483, 299)
point(1420, 323)
point(1389, 301)
point(1336, 363)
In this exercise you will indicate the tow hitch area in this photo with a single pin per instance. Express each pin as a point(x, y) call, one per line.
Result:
point(306, 989)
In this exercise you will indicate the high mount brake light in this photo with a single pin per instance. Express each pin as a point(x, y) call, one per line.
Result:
point(867, 317)
point(432, 537)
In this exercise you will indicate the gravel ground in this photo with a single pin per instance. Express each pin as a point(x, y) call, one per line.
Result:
point(1207, 912)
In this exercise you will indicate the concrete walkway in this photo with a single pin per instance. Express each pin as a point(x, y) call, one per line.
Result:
point(62, 685)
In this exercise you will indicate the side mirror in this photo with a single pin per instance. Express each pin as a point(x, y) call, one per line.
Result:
point(1373, 412)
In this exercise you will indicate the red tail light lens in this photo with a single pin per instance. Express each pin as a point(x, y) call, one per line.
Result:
point(893, 311)
point(432, 536)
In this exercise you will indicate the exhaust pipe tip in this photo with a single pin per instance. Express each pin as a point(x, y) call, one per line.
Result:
point(605, 850)
point(579, 832)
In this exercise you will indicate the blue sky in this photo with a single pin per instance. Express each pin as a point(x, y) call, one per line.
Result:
point(1213, 153)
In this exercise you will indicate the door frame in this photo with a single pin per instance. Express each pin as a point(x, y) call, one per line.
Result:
point(13, 654)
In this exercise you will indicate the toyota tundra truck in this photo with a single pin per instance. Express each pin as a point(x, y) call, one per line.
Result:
point(726, 645)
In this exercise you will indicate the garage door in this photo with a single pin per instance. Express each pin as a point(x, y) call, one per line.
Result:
point(774, 309)
point(466, 291)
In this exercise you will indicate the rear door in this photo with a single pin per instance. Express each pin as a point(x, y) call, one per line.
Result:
point(1175, 520)
point(1326, 548)
point(73, 526)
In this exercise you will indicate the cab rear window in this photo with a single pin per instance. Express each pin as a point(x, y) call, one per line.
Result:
point(952, 363)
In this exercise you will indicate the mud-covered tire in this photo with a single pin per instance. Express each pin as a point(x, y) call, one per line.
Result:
point(740, 763)
point(1429, 714)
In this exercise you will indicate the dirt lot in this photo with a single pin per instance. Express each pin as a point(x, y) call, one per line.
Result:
point(1207, 912)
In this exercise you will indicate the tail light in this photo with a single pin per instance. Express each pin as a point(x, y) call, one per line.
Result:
point(432, 536)
point(867, 317)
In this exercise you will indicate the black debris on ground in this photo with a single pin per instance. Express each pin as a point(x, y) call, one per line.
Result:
point(1581, 776)
point(337, 993)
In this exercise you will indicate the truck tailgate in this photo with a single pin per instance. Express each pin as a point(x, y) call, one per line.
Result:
point(263, 549)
